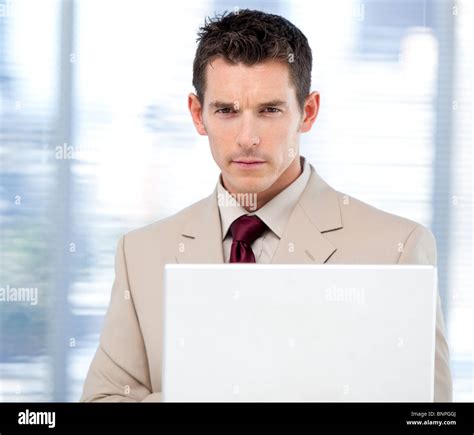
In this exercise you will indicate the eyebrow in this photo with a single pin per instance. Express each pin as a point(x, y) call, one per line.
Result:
point(222, 104)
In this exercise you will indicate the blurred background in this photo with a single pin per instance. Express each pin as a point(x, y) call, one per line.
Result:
point(96, 140)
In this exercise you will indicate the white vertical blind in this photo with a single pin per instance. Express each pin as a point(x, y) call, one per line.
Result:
point(461, 264)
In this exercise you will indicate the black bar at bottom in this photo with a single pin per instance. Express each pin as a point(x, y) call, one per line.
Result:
point(407, 417)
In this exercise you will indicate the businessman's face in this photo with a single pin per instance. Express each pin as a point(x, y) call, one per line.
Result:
point(253, 121)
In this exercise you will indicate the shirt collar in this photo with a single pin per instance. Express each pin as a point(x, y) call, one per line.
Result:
point(274, 213)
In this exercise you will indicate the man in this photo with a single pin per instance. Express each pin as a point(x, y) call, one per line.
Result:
point(252, 75)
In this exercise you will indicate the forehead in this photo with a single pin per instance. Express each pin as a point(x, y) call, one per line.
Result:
point(234, 81)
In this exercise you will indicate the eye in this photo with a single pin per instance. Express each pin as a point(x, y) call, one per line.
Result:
point(225, 110)
point(272, 109)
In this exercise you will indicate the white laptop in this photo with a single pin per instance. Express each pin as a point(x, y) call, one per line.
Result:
point(298, 333)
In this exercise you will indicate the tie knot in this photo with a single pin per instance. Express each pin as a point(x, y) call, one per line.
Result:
point(247, 229)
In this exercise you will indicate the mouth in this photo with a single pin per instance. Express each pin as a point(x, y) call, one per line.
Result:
point(248, 164)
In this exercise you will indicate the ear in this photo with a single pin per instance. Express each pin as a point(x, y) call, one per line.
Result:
point(310, 112)
point(195, 108)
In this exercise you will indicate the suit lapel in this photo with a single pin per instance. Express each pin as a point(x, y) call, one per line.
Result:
point(317, 212)
point(201, 237)
point(302, 242)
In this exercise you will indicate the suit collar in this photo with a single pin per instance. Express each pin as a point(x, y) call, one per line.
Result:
point(318, 211)
point(321, 204)
point(303, 241)
point(201, 236)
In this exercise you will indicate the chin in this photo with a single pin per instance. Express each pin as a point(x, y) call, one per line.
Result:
point(252, 185)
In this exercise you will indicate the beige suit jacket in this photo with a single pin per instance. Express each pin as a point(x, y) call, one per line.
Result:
point(325, 226)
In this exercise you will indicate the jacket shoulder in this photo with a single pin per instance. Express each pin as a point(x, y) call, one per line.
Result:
point(166, 228)
point(356, 212)
point(373, 227)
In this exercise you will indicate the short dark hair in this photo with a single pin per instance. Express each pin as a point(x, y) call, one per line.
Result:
point(250, 37)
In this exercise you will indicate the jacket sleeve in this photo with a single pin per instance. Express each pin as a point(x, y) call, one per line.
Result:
point(420, 248)
point(119, 370)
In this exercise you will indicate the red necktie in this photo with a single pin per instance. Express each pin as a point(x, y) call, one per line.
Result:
point(245, 230)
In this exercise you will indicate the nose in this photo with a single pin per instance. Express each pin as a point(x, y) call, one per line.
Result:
point(248, 136)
